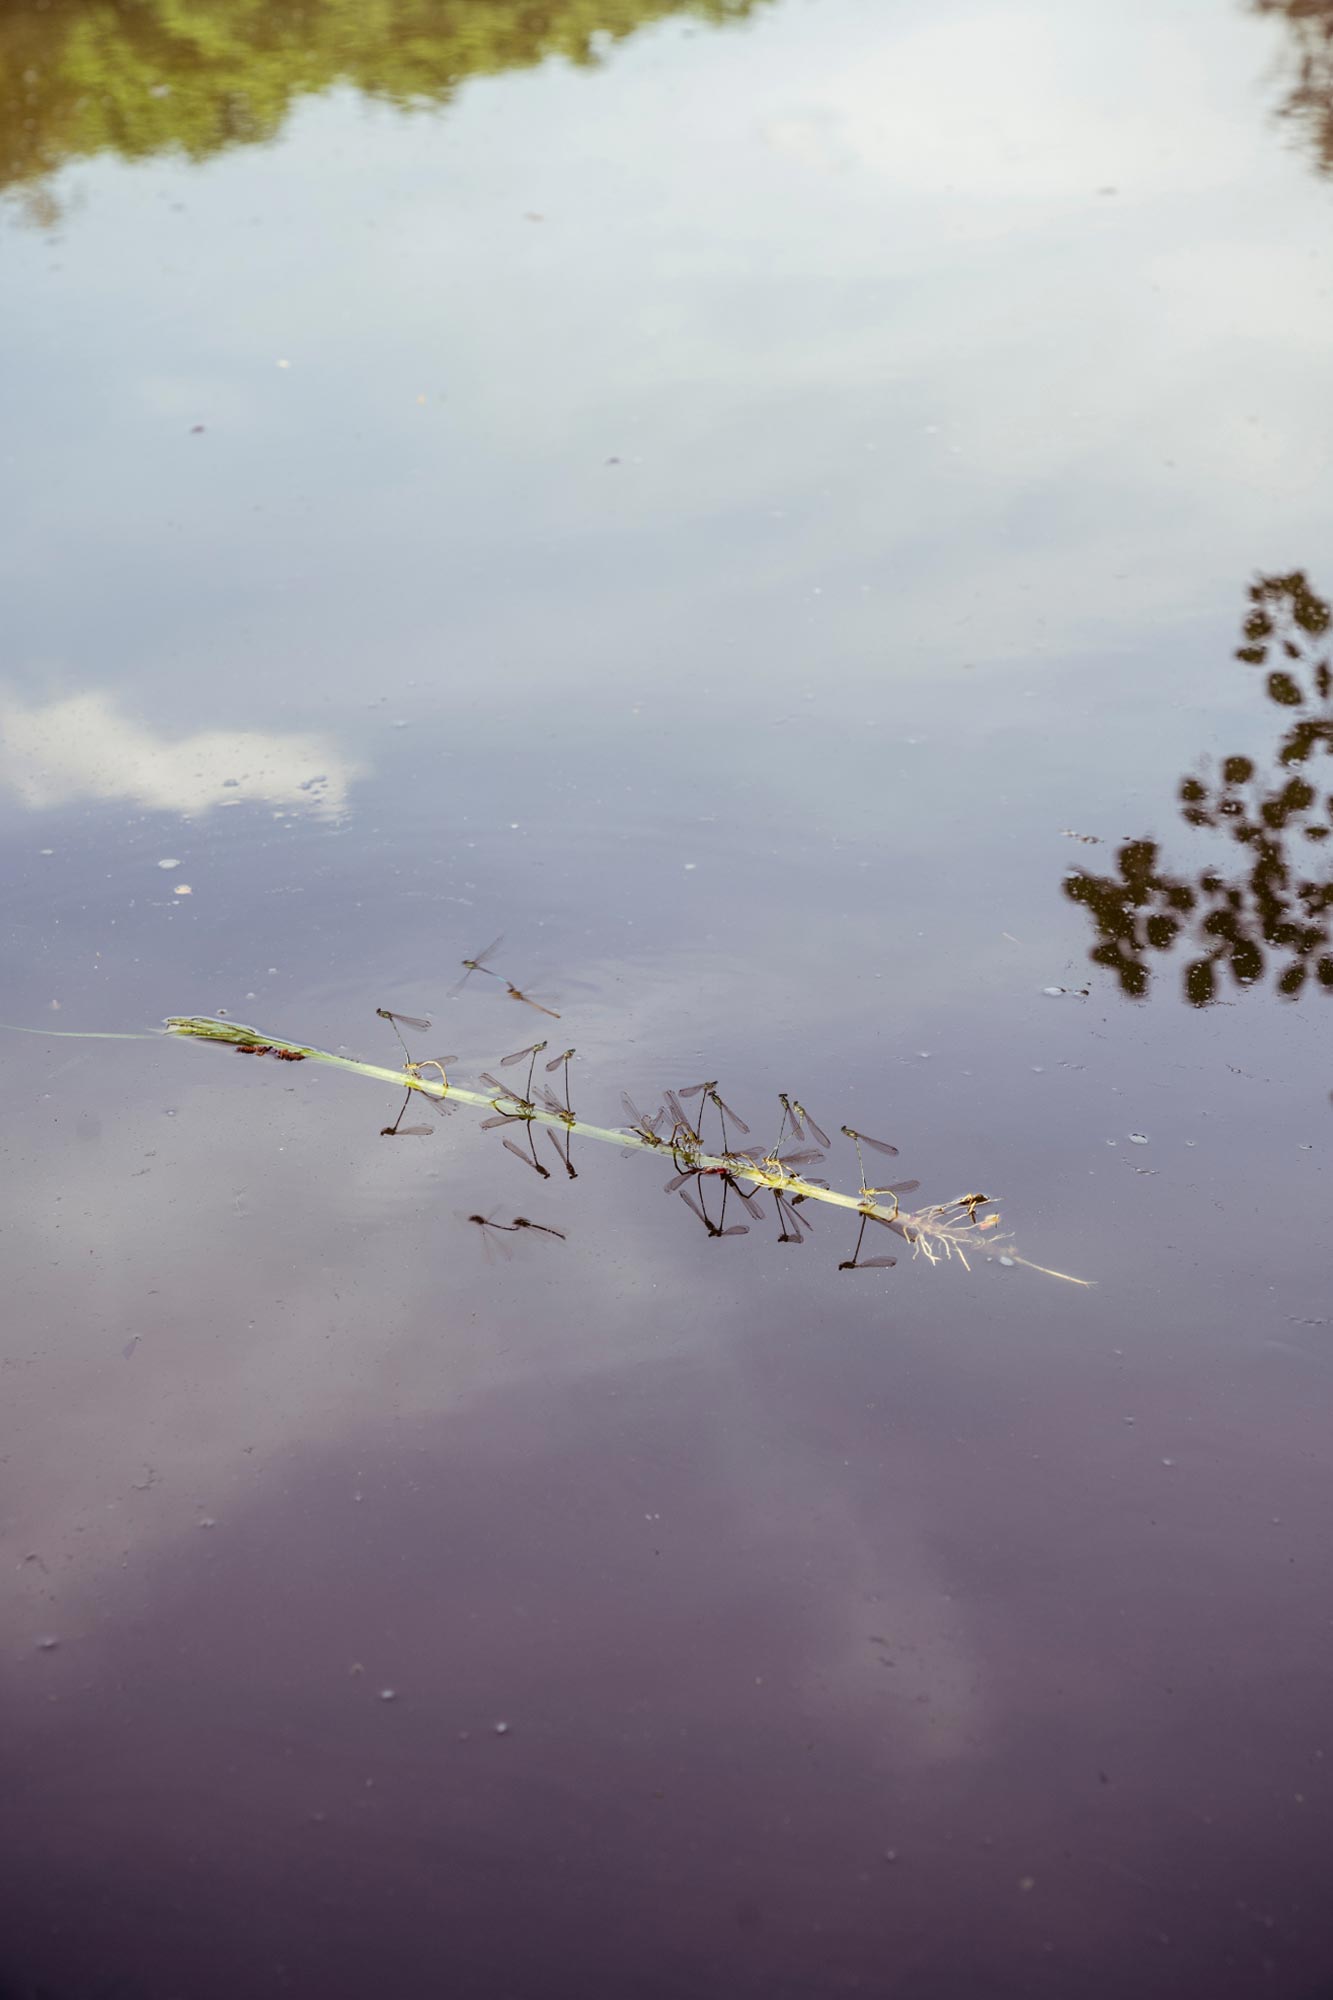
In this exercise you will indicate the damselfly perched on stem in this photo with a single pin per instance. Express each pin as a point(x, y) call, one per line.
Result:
point(709, 1095)
point(555, 1063)
point(860, 1139)
point(532, 1052)
point(415, 1021)
point(643, 1128)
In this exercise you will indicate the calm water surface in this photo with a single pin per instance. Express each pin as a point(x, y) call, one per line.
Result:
point(760, 504)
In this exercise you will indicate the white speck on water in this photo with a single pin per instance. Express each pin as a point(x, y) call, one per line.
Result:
point(1168, 1461)
point(182, 889)
point(207, 1521)
point(168, 861)
point(46, 850)
point(47, 1643)
point(1053, 992)
point(388, 1694)
point(1008, 1262)
point(690, 867)
point(502, 1729)
point(1138, 1138)
point(399, 722)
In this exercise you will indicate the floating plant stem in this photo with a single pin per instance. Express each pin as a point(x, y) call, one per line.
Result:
point(941, 1231)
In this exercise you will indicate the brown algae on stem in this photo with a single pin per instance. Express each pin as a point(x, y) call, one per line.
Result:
point(939, 1232)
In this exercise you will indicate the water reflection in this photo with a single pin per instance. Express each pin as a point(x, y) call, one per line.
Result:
point(81, 77)
point(82, 747)
point(1309, 100)
point(1269, 916)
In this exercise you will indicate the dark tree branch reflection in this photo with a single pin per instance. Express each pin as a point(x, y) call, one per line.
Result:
point(1309, 100)
point(1269, 917)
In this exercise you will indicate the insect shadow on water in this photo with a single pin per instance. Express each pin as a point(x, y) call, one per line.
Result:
point(856, 1262)
point(400, 1131)
point(493, 1231)
point(720, 1228)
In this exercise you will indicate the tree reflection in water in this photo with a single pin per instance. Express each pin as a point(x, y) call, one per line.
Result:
point(1269, 917)
point(1309, 101)
point(139, 77)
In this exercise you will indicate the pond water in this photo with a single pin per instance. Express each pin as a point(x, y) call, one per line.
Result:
point(811, 519)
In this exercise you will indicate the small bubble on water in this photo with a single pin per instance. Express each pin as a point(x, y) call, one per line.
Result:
point(1138, 1138)
point(388, 1694)
point(169, 862)
point(501, 1728)
point(207, 1521)
point(1008, 1263)
point(47, 1643)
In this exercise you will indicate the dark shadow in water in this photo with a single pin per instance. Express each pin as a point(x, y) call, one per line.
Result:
point(1268, 917)
point(686, 1684)
point(81, 77)
point(1309, 100)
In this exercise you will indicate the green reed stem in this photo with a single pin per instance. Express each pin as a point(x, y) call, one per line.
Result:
point(944, 1230)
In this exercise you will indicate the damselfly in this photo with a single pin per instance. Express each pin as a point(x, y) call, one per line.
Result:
point(860, 1139)
point(644, 1128)
point(528, 1000)
point(478, 964)
point(566, 1058)
point(708, 1093)
point(532, 1052)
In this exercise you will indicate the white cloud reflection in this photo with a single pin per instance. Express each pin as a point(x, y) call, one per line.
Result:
point(82, 747)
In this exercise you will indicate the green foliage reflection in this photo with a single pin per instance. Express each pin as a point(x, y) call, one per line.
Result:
point(138, 77)
point(1270, 916)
